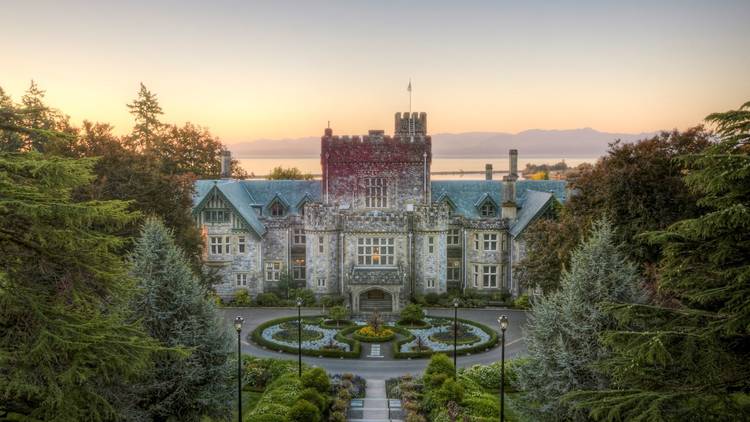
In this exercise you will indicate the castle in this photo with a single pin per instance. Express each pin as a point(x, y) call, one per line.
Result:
point(375, 230)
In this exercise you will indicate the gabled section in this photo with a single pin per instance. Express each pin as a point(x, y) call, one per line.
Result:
point(486, 206)
point(301, 204)
point(535, 205)
point(232, 195)
point(277, 207)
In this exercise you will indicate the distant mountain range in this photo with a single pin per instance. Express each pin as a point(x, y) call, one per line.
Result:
point(584, 142)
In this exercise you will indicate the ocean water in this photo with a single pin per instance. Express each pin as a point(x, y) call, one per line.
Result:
point(263, 166)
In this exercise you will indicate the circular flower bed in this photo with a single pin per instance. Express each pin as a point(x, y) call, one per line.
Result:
point(324, 338)
point(369, 334)
point(288, 335)
point(439, 338)
point(447, 337)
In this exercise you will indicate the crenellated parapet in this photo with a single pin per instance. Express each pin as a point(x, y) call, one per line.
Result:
point(431, 218)
point(320, 217)
point(385, 221)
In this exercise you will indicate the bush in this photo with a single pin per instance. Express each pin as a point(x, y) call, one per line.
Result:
point(316, 378)
point(313, 396)
point(432, 298)
point(241, 298)
point(412, 313)
point(440, 363)
point(304, 411)
point(332, 300)
point(338, 313)
point(522, 302)
point(337, 417)
point(267, 299)
point(307, 295)
point(437, 398)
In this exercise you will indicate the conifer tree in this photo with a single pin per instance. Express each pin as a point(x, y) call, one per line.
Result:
point(175, 310)
point(692, 361)
point(563, 329)
point(146, 110)
point(65, 340)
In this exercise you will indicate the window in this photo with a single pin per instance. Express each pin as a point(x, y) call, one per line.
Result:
point(241, 279)
point(431, 244)
point(321, 282)
point(321, 244)
point(376, 193)
point(430, 283)
point(277, 210)
point(490, 276)
point(219, 245)
point(476, 275)
point(216, 216)
point(375, 251)
point(241, 244)
point(490, 241)
point(476, 241)
point(273, 271)
point(487, 209)
point(298, 269)
point(299, 237)
point(454, 238)
point(454, 270)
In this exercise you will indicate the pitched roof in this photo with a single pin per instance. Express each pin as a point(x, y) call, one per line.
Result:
point(237, 196)
point(534, 204)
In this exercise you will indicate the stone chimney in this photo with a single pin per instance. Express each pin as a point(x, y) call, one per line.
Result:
point(488, 171)
point(226, 164)
point(509, 207)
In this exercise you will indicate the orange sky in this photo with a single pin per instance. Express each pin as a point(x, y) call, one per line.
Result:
point(257, 70)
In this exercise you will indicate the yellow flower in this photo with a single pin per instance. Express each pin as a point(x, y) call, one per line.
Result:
point(368, 331)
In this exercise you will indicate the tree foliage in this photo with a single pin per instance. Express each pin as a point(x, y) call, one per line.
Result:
point(674, 363)
point(66, 341)
point(172, 305)
point(563, 329)
point(291, 173)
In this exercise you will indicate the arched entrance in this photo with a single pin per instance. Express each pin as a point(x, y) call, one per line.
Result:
point(375, 300)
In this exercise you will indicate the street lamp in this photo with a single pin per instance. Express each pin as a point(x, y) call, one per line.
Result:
point(299, 334)
point(238, 326)
point(503, 321)
point(455, 337)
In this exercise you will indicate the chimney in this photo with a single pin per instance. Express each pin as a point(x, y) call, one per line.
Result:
point(488, 171)
point(509, 208)
point(513, 165)
point(226, 164)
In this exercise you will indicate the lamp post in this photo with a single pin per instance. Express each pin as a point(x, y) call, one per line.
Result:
point(503, 321)
point(238, 326)
point(455, 337)
point(299, 335)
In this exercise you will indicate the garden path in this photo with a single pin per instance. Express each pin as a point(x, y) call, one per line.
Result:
point(375, 407)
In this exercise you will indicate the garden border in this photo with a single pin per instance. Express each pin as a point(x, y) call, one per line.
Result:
point(398, 354)
point(257, 337)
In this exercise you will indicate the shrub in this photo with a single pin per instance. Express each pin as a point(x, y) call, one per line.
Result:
point(316, 378)
point(484, 404)
point(522, 302)
point(432, 298)
point(267, 299)
point(345, 395)
point(339, 405)
point(412, 313)
point(338, 313)
point(415, 417)
point(332, 300)
point(241, 298)
point(307, 295)
point(304, 411)
point(437, 398)
point(313, 396)
point(440, 363)
point(337, 417)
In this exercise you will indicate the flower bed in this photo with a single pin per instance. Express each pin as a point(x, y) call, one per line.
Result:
point(329, 323)
point(329, 344)
point(405, 348)
point(290, 335)
point(368, 334)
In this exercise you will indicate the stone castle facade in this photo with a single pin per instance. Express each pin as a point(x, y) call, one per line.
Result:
point(375, 230)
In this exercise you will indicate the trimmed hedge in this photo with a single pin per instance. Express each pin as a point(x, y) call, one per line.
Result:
point(354, 345)
point(398, 354)
point(327, 323)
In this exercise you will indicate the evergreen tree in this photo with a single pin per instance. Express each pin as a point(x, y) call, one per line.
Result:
point(692, 361)
point(174, 310)
point(563, 329)
point(66, 344)
point(146, 111)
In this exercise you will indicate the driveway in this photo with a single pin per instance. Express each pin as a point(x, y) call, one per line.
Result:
point(373, 368)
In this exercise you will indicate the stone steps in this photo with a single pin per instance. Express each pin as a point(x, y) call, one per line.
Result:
point(375, 405)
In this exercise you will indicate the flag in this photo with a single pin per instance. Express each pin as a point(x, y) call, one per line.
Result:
point(409, 87)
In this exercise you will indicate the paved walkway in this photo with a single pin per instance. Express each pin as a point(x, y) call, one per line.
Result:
point(385, 367)
point(375, 407)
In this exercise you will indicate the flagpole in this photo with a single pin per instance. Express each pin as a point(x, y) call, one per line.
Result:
point(410, 96)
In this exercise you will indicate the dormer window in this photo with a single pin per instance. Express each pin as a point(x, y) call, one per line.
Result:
point(277, 210)
point(488, 209)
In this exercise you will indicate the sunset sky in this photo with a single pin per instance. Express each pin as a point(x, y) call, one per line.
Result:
point(279, 69)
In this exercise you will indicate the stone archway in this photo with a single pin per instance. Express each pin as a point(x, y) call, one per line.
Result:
point(375, 300)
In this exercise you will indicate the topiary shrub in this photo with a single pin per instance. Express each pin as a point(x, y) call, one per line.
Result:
point(307, 296)
point(316, 378)
point(313, 396)
point(412, 313)
point(440, 363)
point(241, 298)
point(267, 299)
point(304, 411)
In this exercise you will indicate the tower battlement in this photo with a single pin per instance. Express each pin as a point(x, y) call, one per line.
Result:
point(410, 124)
